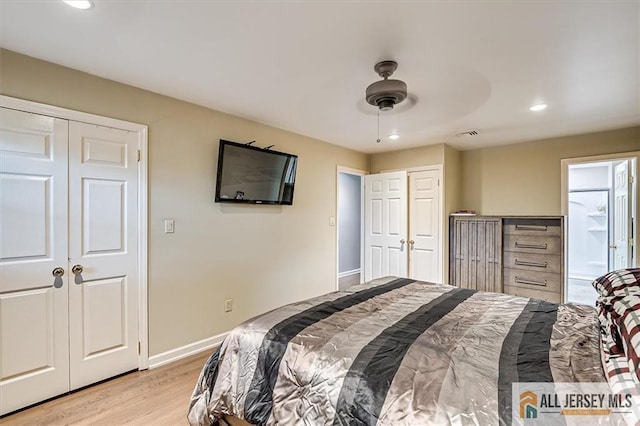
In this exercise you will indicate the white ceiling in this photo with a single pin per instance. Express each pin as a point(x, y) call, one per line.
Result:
point(303, 66)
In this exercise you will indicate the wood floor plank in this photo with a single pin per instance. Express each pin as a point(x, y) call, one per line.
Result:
point(153, 397)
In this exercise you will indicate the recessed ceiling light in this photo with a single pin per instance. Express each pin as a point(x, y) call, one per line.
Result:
point(79, 4)
point(538, 107)
point(394, 136)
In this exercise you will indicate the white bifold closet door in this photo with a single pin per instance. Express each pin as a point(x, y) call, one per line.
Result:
point(385, 228)
point(425, 262)
point(68, 256)
point(402, 231)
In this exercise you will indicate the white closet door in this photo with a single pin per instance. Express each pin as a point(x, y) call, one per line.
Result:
point(34, 363)
point(385, 225)
point(103, 315)
point(425, 261)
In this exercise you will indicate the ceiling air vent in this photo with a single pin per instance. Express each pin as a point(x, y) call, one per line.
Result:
point(472, 132)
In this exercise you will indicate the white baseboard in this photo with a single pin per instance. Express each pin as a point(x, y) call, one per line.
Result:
point(186, 350)
point(348, 273)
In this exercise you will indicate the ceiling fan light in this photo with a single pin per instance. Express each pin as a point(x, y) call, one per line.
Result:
point(394, 136)
point(79, 4)
point(385, 104)
point(538, 107)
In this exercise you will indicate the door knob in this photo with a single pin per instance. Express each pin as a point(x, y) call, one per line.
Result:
point(411, 243)
point(57, 272)
point(77, 269)
point(402, 241)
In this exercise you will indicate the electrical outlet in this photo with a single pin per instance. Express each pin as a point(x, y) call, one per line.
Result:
point(228, 305)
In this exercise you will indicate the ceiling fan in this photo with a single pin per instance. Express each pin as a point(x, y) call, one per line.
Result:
point(386, 93)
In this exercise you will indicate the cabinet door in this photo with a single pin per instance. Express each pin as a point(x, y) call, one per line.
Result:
point(477, 253)
point(483, 231)
point(462, 253)
point(493, 256)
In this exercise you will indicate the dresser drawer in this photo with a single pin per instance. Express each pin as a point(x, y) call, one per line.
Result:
point(532, 244)
point(532, 262)
point(533, 294)
point(533, 227)
point(532, 280)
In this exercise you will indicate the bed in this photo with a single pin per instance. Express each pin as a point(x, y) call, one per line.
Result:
point(398, 352)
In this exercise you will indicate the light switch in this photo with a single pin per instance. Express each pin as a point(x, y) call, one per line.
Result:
point(169, 226)
point(332, 221)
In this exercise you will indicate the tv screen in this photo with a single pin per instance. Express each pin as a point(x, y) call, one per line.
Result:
point(253, 175)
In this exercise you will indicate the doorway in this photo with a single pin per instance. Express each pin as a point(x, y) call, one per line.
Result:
point(349, 227)
point(73, 220)
point(403, 224)
point(601, 208)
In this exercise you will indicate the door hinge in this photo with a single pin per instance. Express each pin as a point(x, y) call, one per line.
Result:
point(438, 182)
point(631, 241)
point(139, 155)
point(138, 348)
point(630, 180)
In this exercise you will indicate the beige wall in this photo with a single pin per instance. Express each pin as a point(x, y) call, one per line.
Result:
point(404, 159)
point(452, 195)
point(430, 155)
point(524, 178)
point(261, 256)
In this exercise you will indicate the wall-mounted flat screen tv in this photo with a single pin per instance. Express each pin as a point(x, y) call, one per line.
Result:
point(248, 174)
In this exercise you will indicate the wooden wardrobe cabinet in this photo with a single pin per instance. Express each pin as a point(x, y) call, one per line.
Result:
point(476, 253)
point(518, 255)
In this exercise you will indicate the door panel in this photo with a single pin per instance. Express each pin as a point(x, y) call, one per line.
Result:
point(376, 216)
point(424, 226)
point(394, 221)
point(26, 329)
point(104, 316)
point(103, 300)
point(34, 362)
point(622, 215)
point(385, 225)
point(396, 260)
point(103, 204)
point(28, 204)
point(374, 265)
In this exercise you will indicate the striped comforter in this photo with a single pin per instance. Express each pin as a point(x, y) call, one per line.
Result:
point(395, 352)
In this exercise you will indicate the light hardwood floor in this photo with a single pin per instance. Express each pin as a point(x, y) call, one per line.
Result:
point(153, 397)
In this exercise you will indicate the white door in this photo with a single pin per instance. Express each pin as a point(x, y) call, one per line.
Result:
point(68, 198)
point(622, 215)
point(425, 261)
point(385, 225)
point(103, 298)
point(34, 352)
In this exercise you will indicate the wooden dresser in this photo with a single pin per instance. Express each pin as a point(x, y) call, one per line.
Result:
point(526, 258)
point(533, 257)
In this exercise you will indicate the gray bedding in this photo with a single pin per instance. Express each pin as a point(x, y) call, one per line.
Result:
point(395, 352)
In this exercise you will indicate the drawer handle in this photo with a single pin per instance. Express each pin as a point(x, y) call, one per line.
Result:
point(531, 282)
point(534, 264)
point(542, 228)
point(532, 246)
